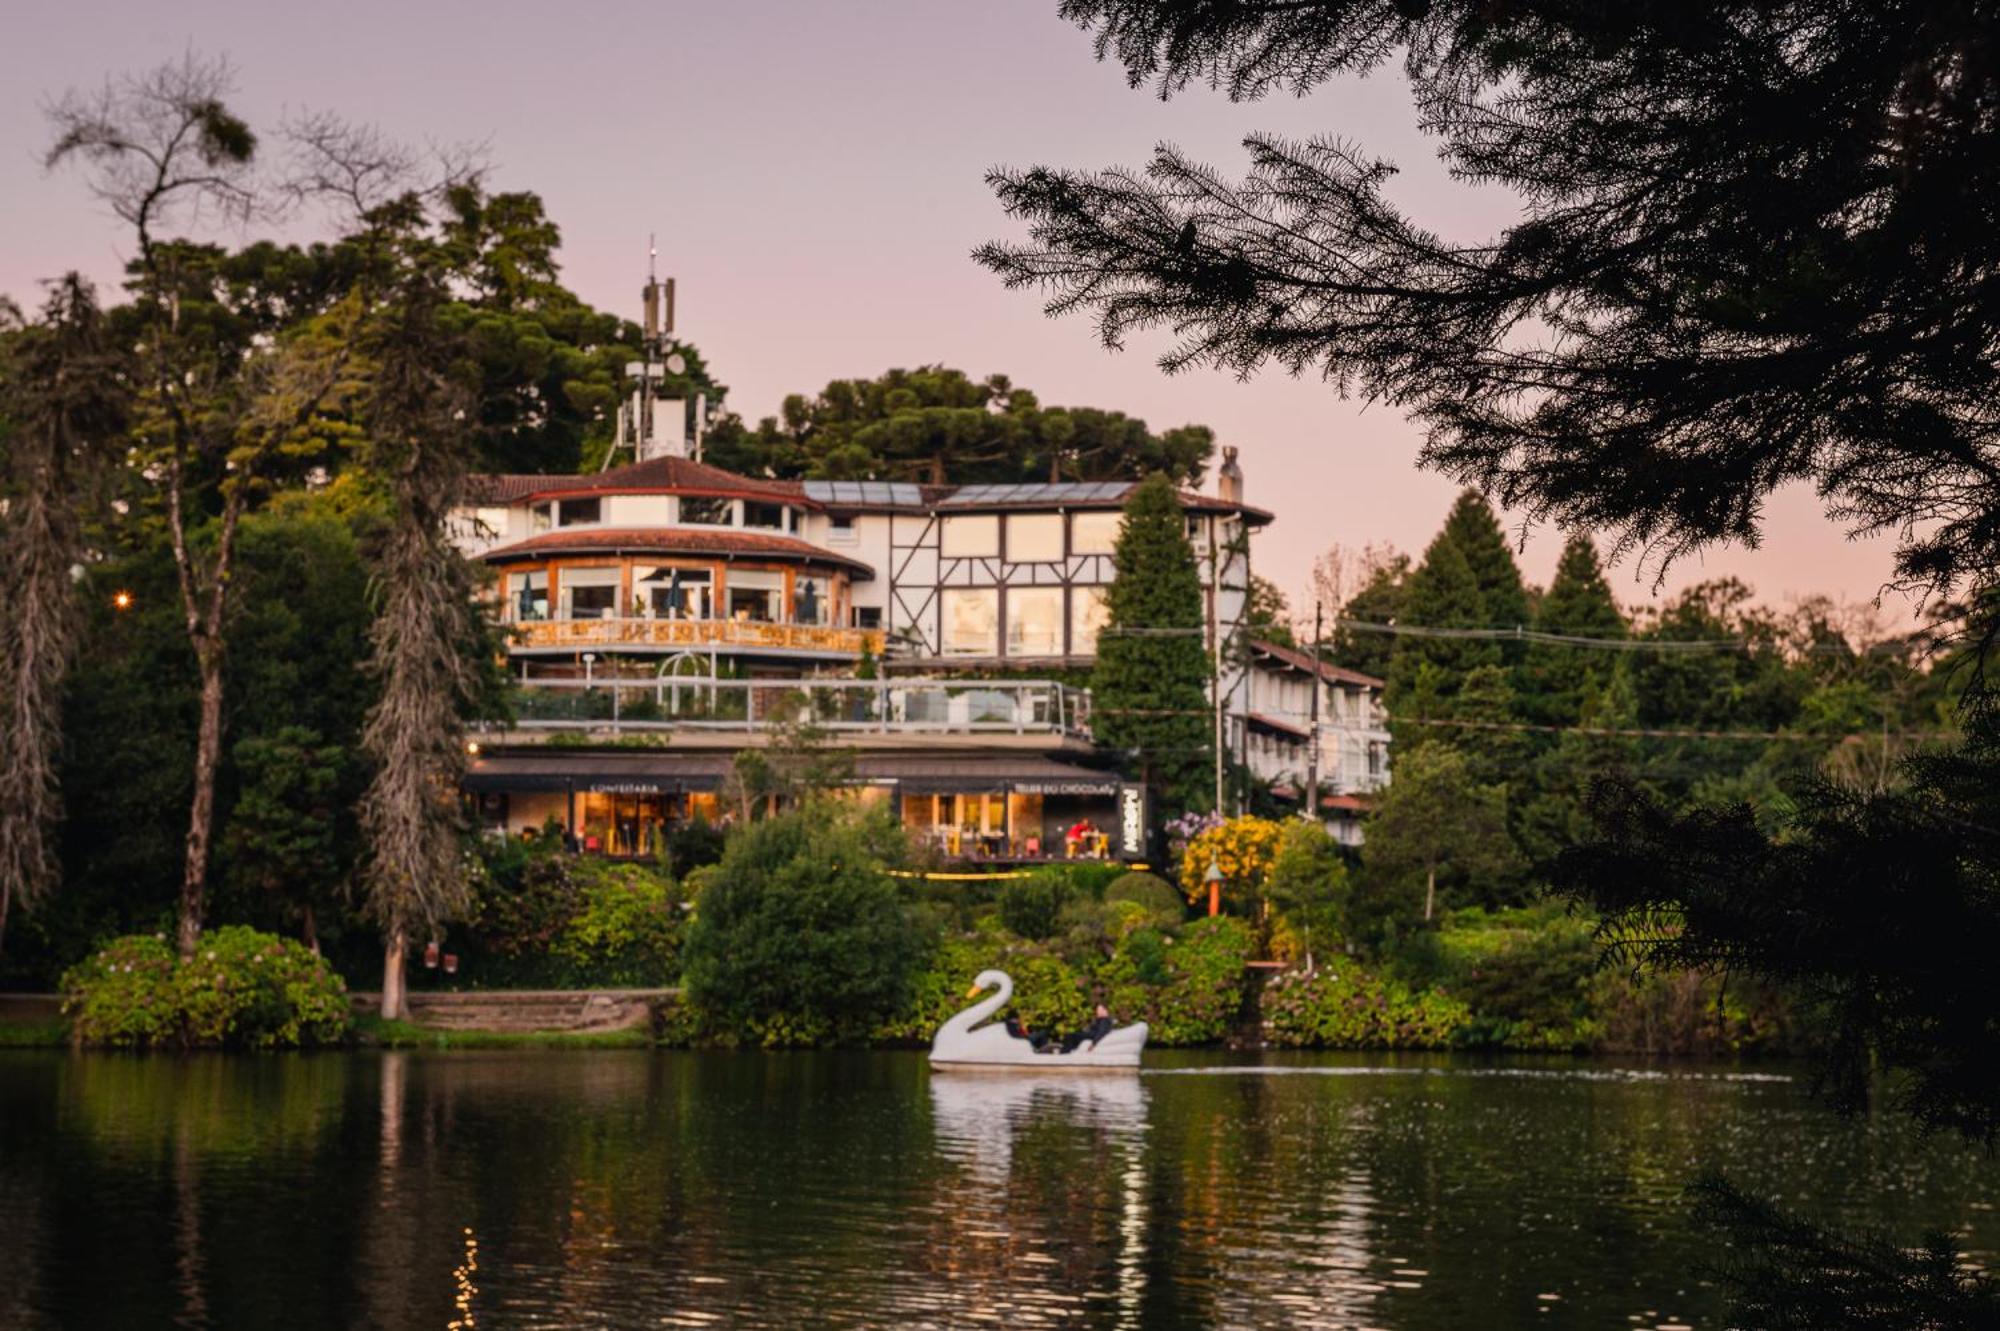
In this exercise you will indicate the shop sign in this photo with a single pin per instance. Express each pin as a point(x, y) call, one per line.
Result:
point(1063, 788)
point(626, 788)
point(1132, 821)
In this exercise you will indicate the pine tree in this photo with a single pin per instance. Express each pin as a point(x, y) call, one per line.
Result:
point(1556, 680)
point(1473, 528)
point(1442, 593)
point(1150, 684)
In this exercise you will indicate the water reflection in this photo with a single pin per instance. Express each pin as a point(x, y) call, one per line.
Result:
point(1008, 1253)
point(632, 1189)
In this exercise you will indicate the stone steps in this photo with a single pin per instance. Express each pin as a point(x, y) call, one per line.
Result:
point(526, 1010)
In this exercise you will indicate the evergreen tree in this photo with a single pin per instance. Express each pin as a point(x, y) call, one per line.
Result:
point(1556, 680)
point(1437, 839)
point(1503, 597)
point(1442, 593)
point(1380, 600)
point(1150, 684)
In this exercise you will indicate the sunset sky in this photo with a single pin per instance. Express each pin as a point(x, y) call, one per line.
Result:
point(814, 174)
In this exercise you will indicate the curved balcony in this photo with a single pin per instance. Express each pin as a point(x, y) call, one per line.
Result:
point(685, 634)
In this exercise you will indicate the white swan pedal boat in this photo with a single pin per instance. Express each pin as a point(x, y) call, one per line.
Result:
point(971, 1041)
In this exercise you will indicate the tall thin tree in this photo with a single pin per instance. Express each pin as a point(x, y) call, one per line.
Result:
point(62, 419)
point(416, 413)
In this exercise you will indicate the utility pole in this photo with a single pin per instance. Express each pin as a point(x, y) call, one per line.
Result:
point(1215, 654)
point(1312, 754)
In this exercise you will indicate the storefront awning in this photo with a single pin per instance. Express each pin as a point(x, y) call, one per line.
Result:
point(1023, 775)
point(643, 773)
point(609, 773)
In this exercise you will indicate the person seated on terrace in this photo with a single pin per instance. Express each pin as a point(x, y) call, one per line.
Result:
point(1078, 837)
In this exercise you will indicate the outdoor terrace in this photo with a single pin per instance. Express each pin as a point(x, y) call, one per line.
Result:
point(625, 705)
point(692, 634)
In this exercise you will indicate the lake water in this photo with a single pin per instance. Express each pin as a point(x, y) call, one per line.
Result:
point(611, 1189)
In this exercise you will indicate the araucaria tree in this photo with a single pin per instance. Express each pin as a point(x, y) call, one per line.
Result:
point(1150, 685)
point(62, 417)
point(415, 414)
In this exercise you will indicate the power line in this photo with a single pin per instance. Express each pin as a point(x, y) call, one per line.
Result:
point(1518, 633)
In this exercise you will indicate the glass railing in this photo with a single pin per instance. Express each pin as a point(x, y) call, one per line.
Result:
point(890, 706)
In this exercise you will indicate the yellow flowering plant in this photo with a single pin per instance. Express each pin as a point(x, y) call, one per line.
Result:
point(1242, 848)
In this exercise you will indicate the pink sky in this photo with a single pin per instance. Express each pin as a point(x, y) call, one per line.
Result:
point(813, 172)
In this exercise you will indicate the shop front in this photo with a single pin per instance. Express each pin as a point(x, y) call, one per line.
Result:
point(991, 808)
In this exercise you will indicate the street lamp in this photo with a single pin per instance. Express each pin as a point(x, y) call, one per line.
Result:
point(589, 659)
point(121, 600)
point(1214, 880)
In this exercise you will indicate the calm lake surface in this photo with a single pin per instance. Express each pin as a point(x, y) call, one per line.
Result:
point(611, 1189)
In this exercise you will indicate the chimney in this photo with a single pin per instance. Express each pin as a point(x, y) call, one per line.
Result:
point(1229, 477)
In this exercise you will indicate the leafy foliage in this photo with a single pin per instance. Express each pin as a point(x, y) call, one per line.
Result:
point(938, 425)
point(1347, 1007)
point(1032, 907)
point(1243, 849)
point(800, 937)
point(241, 989)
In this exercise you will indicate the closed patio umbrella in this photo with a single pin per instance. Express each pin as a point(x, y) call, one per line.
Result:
point(808, 606)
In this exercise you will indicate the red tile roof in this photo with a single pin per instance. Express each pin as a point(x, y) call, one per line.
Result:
point(653, 476)
point(674, 540)
point(1299, 660)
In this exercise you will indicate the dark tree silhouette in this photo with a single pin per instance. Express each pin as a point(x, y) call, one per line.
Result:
point(1757, 245)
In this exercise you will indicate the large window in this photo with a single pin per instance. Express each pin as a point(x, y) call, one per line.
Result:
point(1034, 621)
point(539, 519)
point(705, 510)
point(673, 593)
point(971, 621)
point(756, 595)
point(812, 600)
point(1094, 533)
point(1034, 538)
point(968, 537)
point(771, 517)
point(1087, 617)
point(590, 593)
point(527, 597)
point(577, 511)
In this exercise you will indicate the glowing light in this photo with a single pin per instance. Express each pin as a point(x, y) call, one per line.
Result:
point(121, 600)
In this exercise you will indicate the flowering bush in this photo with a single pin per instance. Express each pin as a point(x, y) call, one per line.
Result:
point(627, 929)
point(241, 988)
point(1346, 1007)
point(1243, 848)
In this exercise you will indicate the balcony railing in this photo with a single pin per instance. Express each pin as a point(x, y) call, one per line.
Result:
point(694, 633)
point(624, 704)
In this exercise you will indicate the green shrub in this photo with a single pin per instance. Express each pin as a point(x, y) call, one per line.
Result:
point(1201, 988)
point(800, 937)
point(523, 896)
point(694, 844)
point(124, 993)
point(242, 988)
point(1160, 898)
point(1031, 907)
point(1347, 1007)
point(627, 930)
point(1049, 994)
point(1525, 974)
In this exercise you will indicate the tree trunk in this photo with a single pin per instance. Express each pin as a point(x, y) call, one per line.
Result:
point(201, 813)
point(1430, 891)
point(393, 1004)
point(309, 929)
